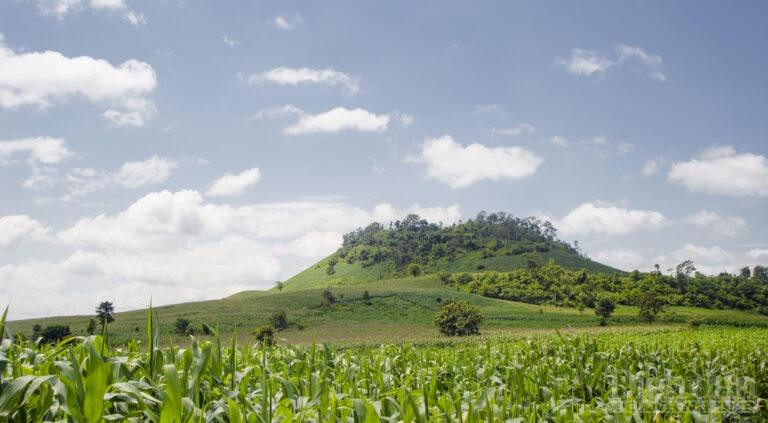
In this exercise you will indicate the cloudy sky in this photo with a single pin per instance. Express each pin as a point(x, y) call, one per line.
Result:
point(186, 150)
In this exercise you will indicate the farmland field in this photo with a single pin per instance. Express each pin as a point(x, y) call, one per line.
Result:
point(706, 374)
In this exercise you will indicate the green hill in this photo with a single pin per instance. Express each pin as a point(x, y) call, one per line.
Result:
point(397, 310)
point(495, 241)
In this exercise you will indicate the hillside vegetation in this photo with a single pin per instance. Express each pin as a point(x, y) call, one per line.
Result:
point(413, 246)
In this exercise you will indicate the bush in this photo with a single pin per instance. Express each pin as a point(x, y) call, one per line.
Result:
point(605, 309)
point(279, 321)
point(328, 297)
point(183, 326)
point(265, 335)
point(367, 298)
point(459, 318)
point(55, 333)
point(695, 323)
point(414, 269)
point(205, 329)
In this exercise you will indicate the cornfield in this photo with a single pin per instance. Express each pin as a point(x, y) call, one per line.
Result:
point(682, 375)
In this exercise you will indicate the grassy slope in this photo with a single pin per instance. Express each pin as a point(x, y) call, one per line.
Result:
point(401, 309)
point(346, 274)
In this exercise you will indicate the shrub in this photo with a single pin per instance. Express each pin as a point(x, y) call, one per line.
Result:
point(695, 323)
point(414, 269)
point(367, 298)
point(279, 321)
point(459, 318)
point(183, 326)
point(328, 297)
point(604, 309)
point(55, 333)
point(205, 329)
point(265, 335)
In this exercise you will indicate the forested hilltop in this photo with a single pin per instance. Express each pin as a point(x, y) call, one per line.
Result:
point(414, 246)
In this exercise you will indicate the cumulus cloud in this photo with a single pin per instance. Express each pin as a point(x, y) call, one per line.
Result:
point(523, 128)
point(585, 62)
point(45, 79)
point(277, 111)
point(730, 226)
point(300, 76)
point(337, 120)
point(147, 172)
point(559, 141)
point(651, 167)
point(720, 170)
point(45, 150)
point(758, 253)
point(708, 260)
point(287, 22)
point(62, 8)
point(591, 63)
point(229, 41)
point(458, 166)
point(175, 246)
point(15, 229)
point(623, 259)
point(590, 218)
point(231, 185)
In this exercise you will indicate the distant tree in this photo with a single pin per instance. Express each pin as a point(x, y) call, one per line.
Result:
point(279, 320)
point(604, 309)
point(651, 303)
point(279, 286)
point(205, 329)
point(529, 261)
point(91, 329)
point(686, 268)
point(367, 298)
point(414, 269)
point(745, 272)
point(183, 326)
point(265, 335)
point(55, 333)
point(760, 273)
point(459, 318)
point(37, 331)
point(105, 313)
point(329, 297)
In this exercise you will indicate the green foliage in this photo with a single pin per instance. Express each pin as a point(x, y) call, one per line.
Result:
point(279, 320)
point(265, 335)
point(184, 326)
point(414, 269)
point(105, 313)
point(682, 375)
point(367, 297)
point(328, 297)
point(604, 309)
point(459, 318)
point(91, 329)
point(554, 284)
point(55, 333)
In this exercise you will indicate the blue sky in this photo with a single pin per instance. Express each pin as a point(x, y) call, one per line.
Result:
point(188, 149)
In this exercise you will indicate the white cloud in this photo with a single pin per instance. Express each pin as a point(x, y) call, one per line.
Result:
point(585, 62)
point(62, 8)
point(622, 259)
point(298, 76)
point(650, 64)
point(757, 253)
point(591, 63)
point(44, 150)
point(708, 260)
point(559, 141)
point(651, 167)
point(45, 79)
point(175, 246)
point(337, 120)
point(720, 170)
point(730, 226)
point(590, 218)
point(277, 111)
point(459, 166)
point(523, 128)
point(229, 41)
point(490, 109)
point(287, 22)
point(19, 228)
point(603, 147)
point(147, 172)
point(232, 185)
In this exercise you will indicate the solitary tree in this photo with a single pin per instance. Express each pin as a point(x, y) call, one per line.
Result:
point(265, 335)
point(604, 309)
point(91, 329)
point(183, 326)
point(414, 269)
point(55, 333)
point(279, 286)
point(329, 297)
point(459, 318)
point(279, 320)
point(105, 313)
point(650, 303)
